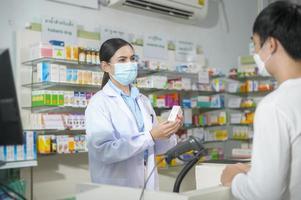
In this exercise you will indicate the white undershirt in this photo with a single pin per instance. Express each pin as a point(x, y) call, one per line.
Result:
point(276, 157)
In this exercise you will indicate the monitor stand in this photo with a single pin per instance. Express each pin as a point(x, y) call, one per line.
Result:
point(2, 163)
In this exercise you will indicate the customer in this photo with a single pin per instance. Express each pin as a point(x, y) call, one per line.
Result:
point(275, 171)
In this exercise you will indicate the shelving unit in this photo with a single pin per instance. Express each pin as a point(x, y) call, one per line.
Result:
point(19, 164)
point(55, 109)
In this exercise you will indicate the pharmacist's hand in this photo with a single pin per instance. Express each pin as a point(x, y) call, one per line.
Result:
point(165, 129)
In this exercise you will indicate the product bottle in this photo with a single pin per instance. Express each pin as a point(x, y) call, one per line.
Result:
point(97, 58)
point(93, 56)
point(53, 144)
point(88, 56)
point(82, 55)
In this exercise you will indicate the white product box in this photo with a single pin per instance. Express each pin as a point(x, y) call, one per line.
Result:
point(234, 102)
point(175, 111)
point(186, 83)
point(53, 121)
point(63, 74)
point(80, 76)
point(187, 116)
point(10, 152)
point(235, 118)
point(30, 145)
point(2, 156)
point(160, 103)
point(204, 98)
point(66, 144)
point(194, 102)
point(20, 152)
point(54, 73)
point(82, 122)
point(233, 87)
point(59, 143)
point(241, 153)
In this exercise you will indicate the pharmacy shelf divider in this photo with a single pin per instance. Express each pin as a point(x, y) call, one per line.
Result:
point(19, 164)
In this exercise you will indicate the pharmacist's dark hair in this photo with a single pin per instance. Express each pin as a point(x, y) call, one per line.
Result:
point(282, 21)
point(107, 51)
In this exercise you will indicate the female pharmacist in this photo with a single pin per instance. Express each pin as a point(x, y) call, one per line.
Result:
point(275, 171)
point(122, 132)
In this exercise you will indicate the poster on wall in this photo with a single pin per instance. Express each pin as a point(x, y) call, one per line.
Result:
point(155, 47)
point(109, 32)
point(60, 29)
point(185, 51)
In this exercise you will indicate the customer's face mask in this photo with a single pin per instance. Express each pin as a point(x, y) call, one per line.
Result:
point(262, 64)
point(125, 73)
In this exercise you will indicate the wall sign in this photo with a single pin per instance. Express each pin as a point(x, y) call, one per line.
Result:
point(59, 29)
point(155, 47)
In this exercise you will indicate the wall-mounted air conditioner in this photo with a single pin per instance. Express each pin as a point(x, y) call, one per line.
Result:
point(182, 11)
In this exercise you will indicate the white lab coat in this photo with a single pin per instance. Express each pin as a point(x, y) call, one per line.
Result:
point(116, 148)
point(276, 158)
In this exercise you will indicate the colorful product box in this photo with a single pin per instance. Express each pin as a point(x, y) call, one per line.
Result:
point(41, 50)
point(43, 72)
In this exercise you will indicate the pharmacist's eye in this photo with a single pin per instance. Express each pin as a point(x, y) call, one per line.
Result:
point(134, 58)
point(122, 60)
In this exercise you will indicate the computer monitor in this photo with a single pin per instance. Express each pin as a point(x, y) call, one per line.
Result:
point(11, 132)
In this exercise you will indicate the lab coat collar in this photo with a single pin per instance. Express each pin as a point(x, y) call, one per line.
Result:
point(108, 90)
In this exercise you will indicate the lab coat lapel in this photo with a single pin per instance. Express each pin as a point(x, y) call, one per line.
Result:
point(146, 113)
point(120, 102)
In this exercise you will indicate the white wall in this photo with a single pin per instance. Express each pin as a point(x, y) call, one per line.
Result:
point(224, 36)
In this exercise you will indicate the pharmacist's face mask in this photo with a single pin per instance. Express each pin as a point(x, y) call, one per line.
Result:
point(262, 70)
point(125, 73)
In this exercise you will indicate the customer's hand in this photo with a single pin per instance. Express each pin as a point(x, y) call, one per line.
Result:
point(165, 129)
point(231, 171)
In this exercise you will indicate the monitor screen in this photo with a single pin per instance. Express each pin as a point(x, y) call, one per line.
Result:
point(10, 122)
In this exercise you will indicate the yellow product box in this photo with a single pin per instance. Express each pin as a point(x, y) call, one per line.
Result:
point(71, 144)
point(44, 144)
point(221, 134)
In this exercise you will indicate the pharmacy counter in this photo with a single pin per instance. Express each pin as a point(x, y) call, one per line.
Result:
point(107, 192)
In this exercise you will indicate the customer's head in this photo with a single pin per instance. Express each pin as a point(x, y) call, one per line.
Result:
point(114, 51)
point(277, 33)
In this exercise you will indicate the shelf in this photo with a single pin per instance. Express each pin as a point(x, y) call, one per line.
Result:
point(244, 108)
point(240, 124)
point(62, 86)
point(54, 154)
point(242, 140)
point(172, 74)
point(258, 93)
point(227, 161)
point(151, 90)
point(55, 109)
point(19, 164)
point(215, 141)
point(200, 109)
point(252, 78)
point(206, 126)
point(69, 63)
point(58, 131)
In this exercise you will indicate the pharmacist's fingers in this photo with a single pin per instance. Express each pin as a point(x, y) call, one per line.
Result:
point(175, 127)
point(169, 125)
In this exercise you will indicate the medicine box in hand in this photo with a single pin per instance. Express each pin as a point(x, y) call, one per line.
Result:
point(174, 113)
